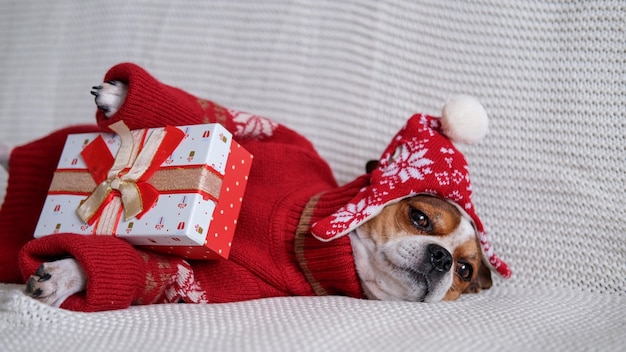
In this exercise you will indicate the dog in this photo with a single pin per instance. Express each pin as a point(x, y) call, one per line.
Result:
point(400, 255)
point(415, 246)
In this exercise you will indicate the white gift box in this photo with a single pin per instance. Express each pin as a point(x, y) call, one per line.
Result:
point(200, 187)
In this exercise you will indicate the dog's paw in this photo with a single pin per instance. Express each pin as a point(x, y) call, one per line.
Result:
point(110, 96)
point(54, 282)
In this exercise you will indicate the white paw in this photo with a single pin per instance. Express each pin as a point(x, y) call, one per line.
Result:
point(54, 282)
point(110, 96)
point(5, 154)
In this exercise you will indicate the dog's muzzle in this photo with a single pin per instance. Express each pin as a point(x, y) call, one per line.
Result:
point(434, 265)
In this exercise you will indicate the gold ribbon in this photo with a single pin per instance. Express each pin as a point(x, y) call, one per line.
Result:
point(188, 179)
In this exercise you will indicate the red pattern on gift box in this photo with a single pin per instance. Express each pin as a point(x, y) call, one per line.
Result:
point(220, 228)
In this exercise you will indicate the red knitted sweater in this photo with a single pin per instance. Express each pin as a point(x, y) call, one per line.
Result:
point(273, 253)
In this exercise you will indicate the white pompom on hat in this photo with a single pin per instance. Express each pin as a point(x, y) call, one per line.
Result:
point(464, 120)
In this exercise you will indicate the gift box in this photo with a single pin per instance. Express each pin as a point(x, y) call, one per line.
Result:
point(175, 190)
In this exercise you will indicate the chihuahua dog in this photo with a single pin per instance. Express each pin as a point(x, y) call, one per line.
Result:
point(413, 240)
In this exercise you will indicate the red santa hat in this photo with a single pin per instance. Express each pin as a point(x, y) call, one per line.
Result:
point(421, 159)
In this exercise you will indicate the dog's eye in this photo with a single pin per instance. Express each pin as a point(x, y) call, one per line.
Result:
point(419, 219)
point(465, 271)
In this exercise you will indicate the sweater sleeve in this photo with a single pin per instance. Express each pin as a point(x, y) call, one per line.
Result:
point(118, 275)
point(30, 170)
point(151, 103)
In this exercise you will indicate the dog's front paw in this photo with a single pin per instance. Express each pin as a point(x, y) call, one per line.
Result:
point(54, 282)
point(110, 96)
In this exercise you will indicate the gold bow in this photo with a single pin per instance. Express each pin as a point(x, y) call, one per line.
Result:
point(124, 183)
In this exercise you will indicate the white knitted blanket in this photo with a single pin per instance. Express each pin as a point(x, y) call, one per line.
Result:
point(501, 320)
point(549, 179)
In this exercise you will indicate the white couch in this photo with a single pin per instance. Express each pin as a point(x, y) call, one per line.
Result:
point(549, 179)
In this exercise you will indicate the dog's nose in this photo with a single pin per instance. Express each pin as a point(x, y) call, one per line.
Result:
point(440, 258)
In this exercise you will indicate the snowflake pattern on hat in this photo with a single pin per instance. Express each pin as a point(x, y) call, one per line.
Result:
point(419, 160)
point(406, 165)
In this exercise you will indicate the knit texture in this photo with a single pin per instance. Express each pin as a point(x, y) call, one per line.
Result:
point(117, 274)
point(519, 320)
point(32, 167)
point(548, 179)
point(264, 260)
point(419, 160)
point(328, 266)
point(150, 103)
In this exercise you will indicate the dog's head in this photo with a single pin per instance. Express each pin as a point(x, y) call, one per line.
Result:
point(415, 232)
point(422, 248)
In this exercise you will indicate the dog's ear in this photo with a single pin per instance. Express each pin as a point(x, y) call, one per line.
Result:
point(482, 281)
point(371, 166)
